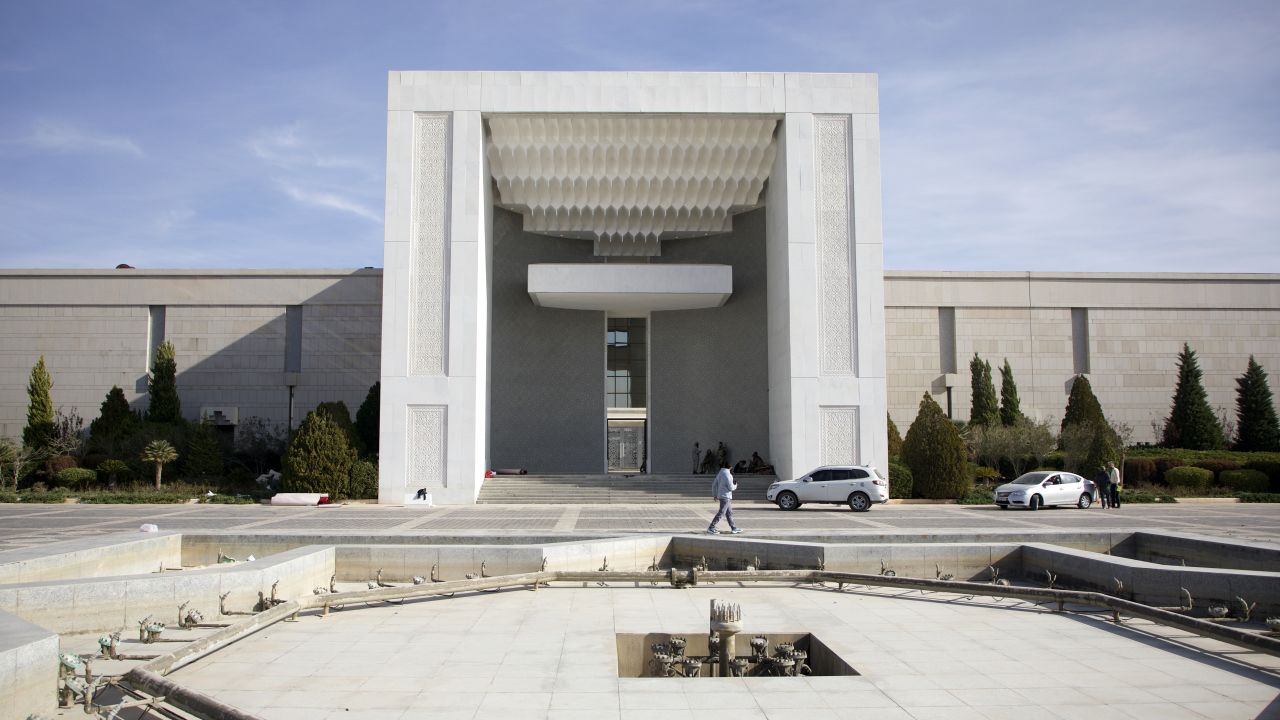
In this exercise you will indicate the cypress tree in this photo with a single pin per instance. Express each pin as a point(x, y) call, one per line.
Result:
point(367, 419)
point(936, 454)
point(115, 418)
point(338, 412)
point(1256, 425)
point(40, 428)
point(1082, 405)
point(319, 457)
point(895, 440)
point(204, 453)
point(984, 410)
point(1191, 423)
point(162, 387)
point(1010, 406)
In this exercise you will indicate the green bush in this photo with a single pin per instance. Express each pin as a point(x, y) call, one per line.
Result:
point(1251, 481)
point(1188, 478)
point(319, 458)
point(364, 480)
point(980, 495)
point(1145, 496)
point(48, 497)
point(1270, 467)
point(1139, 470)
point(150, 497)
point(76, 477)
point(984, 474)
point(936, 454)
point(900, 482)
point(1164, 465)
point(1260, 497)
point(9, 496)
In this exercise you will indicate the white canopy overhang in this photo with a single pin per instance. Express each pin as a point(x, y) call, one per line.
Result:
point(629, 288)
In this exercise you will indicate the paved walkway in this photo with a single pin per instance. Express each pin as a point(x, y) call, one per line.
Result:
point(25, 525)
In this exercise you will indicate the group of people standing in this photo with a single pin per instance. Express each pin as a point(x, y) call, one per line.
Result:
point(1108, 482)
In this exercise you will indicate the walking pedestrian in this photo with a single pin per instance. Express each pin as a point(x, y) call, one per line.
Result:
point(722, 491)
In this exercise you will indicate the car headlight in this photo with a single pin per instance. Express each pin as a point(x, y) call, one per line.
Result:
point(1017, 493)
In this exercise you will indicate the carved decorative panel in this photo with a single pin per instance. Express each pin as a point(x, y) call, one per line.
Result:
point(839, 428)
point(428, 441)
point(836, 291)
point(429, 272)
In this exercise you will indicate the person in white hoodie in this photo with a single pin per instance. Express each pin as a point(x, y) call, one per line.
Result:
point(722, 490)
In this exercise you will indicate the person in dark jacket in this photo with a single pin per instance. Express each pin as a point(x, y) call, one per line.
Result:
point(1102, 481)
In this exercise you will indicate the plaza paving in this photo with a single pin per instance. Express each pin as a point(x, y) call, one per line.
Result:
point(551, 654)
point(25, 525)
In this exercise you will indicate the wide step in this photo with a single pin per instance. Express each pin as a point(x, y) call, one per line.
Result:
point(612, 489)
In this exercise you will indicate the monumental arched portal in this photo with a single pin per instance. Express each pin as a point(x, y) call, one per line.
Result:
point(589, 272)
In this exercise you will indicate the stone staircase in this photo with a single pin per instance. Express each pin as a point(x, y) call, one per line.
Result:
point(612, 489)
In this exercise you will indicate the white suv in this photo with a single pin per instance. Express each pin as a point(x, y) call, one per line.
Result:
point(860, 486)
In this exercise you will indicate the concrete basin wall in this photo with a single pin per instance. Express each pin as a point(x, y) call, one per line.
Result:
point(96, 605)
point(1173, 548)
point(400, 563)
point(1151, 583)
point(106, 555)
point(203, 548)
point(28, 669)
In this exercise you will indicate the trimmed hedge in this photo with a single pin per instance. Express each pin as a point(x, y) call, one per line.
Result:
point(1190, 478)
point(1217, 467)
point(76, 477)
point(1139, 470)
point(1249, 481)
point(1164, 465)
point(1270, 467)
point(1145, 496)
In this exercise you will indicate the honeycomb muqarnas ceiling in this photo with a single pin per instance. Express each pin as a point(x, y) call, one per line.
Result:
point(630, 181)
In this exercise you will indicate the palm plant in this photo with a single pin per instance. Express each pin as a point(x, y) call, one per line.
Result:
point(161, 453)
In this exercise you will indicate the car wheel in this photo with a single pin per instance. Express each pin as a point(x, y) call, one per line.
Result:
point(1085, 501)
point(788, 501)
point(859, 502)
point(1034, 503)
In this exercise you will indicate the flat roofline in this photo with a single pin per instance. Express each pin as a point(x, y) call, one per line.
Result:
point(1110, 276)
point(188, 272)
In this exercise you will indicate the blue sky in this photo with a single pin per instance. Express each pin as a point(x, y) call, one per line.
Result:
point(1083, 136)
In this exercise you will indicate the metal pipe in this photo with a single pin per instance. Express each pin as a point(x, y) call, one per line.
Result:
point(183, 698)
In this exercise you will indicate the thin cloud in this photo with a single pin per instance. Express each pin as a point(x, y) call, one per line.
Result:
point(62, 137)
point(286, 146)
point(329, 200)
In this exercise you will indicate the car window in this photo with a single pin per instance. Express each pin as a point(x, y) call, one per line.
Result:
point(820, 475)
point(858, 474)
point(840, 474)
point(1070, 479)
point(1055, 480)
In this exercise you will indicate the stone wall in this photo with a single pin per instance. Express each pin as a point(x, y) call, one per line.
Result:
point(709, 373)
point(1134, 326)
point(547, 403)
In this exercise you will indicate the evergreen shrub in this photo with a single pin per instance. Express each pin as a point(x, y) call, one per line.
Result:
point(1189, 478)
point(364, 480)
point(1253, 481)
point(319, 458)
point(936, 454)
point(1217, 467)
point(900, 480)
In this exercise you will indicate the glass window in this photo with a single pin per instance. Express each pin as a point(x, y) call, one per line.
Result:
point(857, 474)
point(626, 369)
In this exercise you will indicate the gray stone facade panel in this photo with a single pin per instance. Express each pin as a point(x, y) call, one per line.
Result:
point(709, 378)
point(547, 399)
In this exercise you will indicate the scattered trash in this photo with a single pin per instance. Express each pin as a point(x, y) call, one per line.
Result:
point(148, 527)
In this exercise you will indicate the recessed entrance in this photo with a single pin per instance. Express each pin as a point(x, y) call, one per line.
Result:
point(626, 394)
